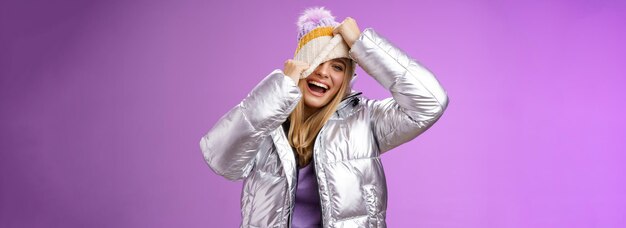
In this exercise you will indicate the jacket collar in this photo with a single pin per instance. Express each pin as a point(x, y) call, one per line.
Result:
point(347, 104)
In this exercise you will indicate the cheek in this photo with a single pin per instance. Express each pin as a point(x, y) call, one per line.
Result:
point(303, 86)
point(337, 81)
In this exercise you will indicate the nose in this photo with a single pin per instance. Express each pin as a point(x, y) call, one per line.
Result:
point(323, 70)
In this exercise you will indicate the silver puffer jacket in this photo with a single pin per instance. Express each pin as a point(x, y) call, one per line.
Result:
point(249, 143)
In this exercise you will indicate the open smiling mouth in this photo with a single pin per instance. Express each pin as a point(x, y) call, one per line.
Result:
point(317, 87)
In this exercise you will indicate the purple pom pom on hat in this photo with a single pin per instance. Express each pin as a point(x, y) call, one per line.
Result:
point(313, 18)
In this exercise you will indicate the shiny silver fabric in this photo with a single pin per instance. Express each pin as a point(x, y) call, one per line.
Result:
point(249, 143)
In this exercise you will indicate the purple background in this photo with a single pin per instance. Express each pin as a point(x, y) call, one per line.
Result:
point(104, 103)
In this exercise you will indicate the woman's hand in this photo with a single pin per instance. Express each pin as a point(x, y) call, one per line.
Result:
point(294, 68)
point(349, 30)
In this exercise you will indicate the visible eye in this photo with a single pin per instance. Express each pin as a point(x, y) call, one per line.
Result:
point(338, 67)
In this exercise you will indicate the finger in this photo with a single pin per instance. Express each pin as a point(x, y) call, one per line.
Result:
point(337, 30)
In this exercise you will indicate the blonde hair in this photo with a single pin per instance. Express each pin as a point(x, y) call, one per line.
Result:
point(302, 133)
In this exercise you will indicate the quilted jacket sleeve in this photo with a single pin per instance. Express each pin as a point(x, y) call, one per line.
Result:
point(230, 147)
point(417, 101)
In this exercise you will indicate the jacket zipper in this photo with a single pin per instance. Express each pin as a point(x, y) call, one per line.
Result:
point(293, 199)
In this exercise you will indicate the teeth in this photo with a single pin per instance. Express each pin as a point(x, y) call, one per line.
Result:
point(319, 84)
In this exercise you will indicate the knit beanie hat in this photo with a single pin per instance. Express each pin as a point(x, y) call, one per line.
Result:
point(316, 42)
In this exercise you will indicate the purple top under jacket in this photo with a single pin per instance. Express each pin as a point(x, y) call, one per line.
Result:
point(307, 212)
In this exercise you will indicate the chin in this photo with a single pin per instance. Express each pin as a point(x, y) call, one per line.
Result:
point(315, 102)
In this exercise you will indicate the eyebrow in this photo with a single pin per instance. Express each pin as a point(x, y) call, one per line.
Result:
point(341, 61)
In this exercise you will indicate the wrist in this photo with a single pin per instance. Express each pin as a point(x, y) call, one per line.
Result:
point(352, 39)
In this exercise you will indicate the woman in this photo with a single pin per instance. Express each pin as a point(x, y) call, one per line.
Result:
point(307, 148)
